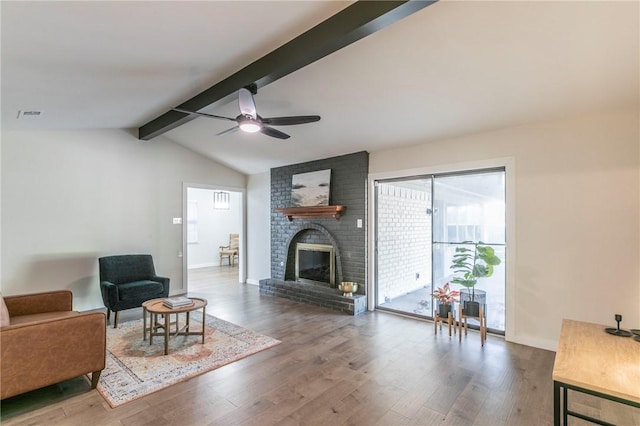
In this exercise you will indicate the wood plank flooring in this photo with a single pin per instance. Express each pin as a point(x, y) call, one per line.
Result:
point(331, 369)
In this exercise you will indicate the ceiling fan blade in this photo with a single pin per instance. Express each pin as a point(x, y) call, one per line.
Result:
point(270, 131)
point(287, 121)
point(231, 130)
point(203, 114)
point(246, 103)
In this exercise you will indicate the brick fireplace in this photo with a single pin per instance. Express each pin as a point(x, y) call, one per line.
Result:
point(349, 188)
point(313, 233)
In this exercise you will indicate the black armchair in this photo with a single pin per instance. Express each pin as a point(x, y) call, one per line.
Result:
point(126, 281)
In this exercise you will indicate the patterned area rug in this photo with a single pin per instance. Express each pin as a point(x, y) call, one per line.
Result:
point(134, 368)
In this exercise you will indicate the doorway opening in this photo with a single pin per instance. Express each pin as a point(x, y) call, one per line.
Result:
point(420, 221)
point(213, 235)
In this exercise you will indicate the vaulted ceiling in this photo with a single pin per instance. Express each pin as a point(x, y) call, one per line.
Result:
point(450, 69)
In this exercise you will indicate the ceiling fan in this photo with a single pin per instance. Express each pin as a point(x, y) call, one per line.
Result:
point(249, 120)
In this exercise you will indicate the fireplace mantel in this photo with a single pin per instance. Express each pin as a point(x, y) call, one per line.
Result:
point(312, 212)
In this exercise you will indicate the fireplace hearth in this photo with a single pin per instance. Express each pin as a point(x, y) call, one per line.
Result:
point(314, 295)
point(312, 269)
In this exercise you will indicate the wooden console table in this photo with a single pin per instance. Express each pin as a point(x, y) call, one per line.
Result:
point(591, 361)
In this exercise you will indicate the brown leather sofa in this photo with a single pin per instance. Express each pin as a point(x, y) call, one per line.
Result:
point(46, 343)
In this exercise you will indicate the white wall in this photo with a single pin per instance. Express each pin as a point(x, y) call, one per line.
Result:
point(258, 227)
point(576, 210)
point(69, 197)
point(214, 227)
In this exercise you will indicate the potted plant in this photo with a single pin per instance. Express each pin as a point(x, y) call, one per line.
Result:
point(471, 265)
point(445, 297)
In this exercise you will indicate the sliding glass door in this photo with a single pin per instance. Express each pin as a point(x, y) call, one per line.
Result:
point(419, 224)
point(403, 245)
point(471, 207)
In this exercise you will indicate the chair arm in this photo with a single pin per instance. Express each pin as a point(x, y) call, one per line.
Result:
point(224, 247)
point(37, 303)
point(42, 353)
point(165, 283)
point(109, 293)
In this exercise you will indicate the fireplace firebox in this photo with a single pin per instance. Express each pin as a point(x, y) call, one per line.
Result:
point(315, 264)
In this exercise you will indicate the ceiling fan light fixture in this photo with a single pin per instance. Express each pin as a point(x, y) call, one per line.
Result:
point(249, 121)
point(249, 126)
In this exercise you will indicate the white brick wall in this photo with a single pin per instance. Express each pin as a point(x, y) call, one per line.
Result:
point(404, 241)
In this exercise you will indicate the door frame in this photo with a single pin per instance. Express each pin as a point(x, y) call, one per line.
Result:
point(510, 223)
point(242, 255)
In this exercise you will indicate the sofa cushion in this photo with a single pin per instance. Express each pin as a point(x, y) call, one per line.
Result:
point(4, 313)
point(136, 289)
point(24, 319)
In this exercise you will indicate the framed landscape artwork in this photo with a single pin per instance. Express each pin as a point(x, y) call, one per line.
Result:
point(311, 189)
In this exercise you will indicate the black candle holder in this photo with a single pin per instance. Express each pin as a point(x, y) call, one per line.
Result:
point(617, 331)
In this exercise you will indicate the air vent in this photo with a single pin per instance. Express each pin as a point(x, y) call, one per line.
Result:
point(31, 113)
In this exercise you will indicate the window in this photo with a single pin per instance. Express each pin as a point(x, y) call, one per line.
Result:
point(221, 200)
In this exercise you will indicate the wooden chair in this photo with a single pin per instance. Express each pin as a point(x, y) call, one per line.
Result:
point(230, 251)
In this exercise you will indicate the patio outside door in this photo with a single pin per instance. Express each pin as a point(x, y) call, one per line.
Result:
point(419, 223)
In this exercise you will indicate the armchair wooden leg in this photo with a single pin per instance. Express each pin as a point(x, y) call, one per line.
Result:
point(115, 319)
point(95, 377)
point(108, 313)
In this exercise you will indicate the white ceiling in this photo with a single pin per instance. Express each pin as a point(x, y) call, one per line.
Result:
point(454, 68)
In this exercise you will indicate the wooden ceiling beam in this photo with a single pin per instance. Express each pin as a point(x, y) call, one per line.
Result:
point(351, 24)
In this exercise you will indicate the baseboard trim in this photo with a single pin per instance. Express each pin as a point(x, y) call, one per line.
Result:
point(535, 342)
point(202, 265)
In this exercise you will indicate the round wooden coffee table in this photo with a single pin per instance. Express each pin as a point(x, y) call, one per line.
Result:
point(155, 307)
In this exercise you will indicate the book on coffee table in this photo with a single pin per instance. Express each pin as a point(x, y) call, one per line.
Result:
point(177, 302)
